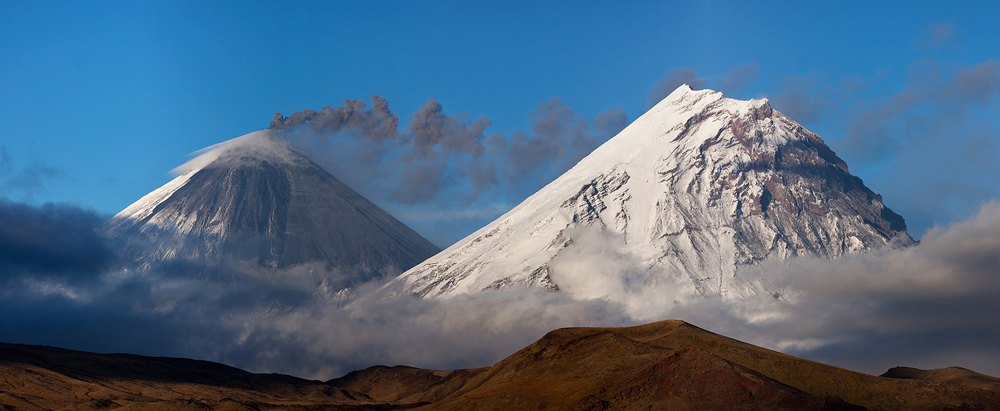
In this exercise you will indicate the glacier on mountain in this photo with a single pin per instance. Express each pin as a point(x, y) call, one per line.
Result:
point(693, 190)
point(253, 201)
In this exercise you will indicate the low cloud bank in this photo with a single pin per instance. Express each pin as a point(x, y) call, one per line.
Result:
point(284, 322)
point(928, 306)
point(54, 241)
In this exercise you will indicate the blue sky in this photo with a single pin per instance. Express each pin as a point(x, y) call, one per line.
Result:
point(101, 101)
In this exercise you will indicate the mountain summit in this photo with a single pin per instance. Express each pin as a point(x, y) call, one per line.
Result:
point(694, 189)
point(254, 199)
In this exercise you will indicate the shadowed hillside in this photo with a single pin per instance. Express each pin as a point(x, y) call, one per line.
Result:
point(664, 365)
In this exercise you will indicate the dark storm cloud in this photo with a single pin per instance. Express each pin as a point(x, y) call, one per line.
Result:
point(54, 240)
point(671, 80)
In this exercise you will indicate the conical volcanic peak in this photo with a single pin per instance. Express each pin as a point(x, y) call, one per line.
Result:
point(695, 188)
point(254, 199)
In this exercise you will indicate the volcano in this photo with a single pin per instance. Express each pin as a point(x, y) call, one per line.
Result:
point(255, 200)
point(695, 189)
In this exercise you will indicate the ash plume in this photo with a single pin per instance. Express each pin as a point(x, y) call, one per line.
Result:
point(377, 123)
point(671, 80)
point(734, 80)
point(450, 161)
point(927, 306)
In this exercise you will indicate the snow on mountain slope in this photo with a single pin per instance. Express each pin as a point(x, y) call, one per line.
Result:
point(695, 188)
point(254, 199)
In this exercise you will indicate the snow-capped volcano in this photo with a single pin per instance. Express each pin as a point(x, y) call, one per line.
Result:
point(697, 187)
point(254, 199)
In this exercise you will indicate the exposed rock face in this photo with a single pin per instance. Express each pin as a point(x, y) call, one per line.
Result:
point(694, 189)
point(255, 200)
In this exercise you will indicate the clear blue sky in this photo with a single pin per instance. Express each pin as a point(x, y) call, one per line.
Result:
point(100, 101)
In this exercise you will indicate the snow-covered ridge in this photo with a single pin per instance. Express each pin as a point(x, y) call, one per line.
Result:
point(695, 188)
point(248, 149)
point(255, 200)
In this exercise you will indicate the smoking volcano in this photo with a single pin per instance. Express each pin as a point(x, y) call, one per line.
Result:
point(695, 189)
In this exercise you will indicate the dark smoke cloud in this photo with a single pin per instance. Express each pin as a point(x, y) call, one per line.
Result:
point(806, 98)
point(927, 306)
point(933, 139)
point(730, 83)
point(51, 241)
point(439, 150)
point(377, 123)
point(5, 161)
point(937, 34)
point(28, 180)
point(430, 130)
point(671, 80)
point(930, 147)
point(559, 138)
point(737, 77)
point(446, 160)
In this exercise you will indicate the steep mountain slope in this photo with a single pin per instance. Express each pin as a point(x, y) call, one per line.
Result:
point(692, 190)
point(254, 199)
